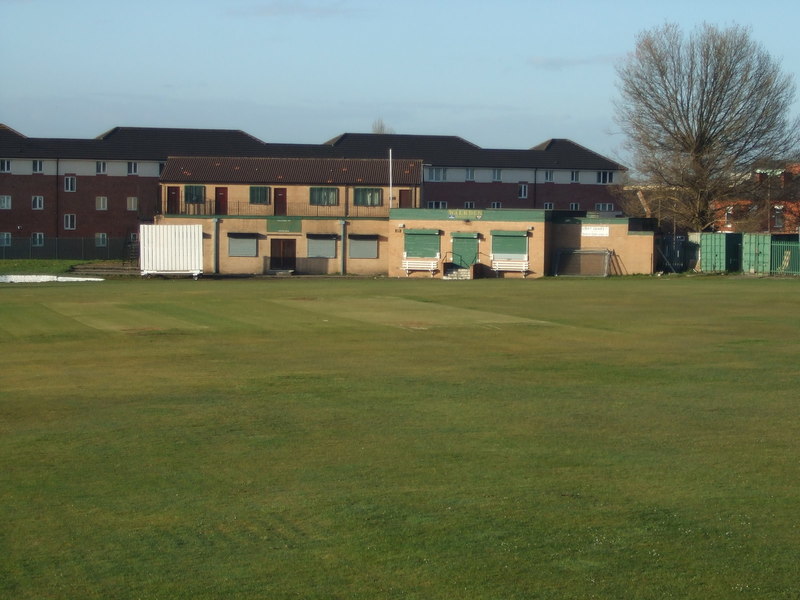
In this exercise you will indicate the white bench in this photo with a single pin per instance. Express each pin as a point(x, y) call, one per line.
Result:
point(420, 264)
point(511, 265)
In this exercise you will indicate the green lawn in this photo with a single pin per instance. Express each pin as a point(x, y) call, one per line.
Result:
point(362, 439)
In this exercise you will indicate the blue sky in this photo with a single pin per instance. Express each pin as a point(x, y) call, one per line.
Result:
point(505, 74)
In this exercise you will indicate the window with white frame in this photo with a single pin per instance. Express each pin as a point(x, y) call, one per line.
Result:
point(522, 191)
point(37, 202)
point(133, 168)
point(5, 238)
point(548, 176)
point(470, 174)
point(574, 206)
point(37, 239)
point(5, 202)
point(574, 176)
point(132, 203)
point(605, 177)
point(100, 167)
point(5, 165)
point(101, 240)
point(323, 196)
point(101, 203)
point(437, 174)
point(37, 166)
point(437, 204)
point(496, 204)
point(469, 204)
point(70, 221)
point(604, 206)
point(70, 183)
point(548, 206)
point(779, 221)
point(497, 174)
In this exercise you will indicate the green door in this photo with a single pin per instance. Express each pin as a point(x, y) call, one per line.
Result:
point(756, 253)
point(465, 250)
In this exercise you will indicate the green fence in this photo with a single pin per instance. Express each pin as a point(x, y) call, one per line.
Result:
point(784, 258)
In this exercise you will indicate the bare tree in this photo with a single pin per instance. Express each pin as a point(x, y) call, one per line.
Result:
point(701, 112)
point(378, 126)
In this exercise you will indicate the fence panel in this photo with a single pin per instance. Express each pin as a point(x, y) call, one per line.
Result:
point(785, 258)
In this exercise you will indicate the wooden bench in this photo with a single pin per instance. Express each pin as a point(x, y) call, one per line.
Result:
point(511, 265)
point(420, 264)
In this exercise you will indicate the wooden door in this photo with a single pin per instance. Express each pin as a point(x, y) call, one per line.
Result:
point(173, 200)
point(282, 254)
point(280, 202)
point(221, 201)
point(405, 199)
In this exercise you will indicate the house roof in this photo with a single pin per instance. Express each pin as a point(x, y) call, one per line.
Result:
point(308, 171)
point(155, 143)
point(132, 143)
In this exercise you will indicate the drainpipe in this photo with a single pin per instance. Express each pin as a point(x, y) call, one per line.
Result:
point(216, 245)
point(342, 263)
point(58, 204)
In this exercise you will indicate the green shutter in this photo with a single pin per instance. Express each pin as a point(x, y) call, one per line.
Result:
point(509, 245)
point(421, 243)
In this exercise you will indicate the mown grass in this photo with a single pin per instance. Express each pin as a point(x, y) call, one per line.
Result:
point(622, 438)
point(37, 267)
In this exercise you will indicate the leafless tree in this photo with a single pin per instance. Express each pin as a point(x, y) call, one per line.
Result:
point(701, 112)
point(378, 126)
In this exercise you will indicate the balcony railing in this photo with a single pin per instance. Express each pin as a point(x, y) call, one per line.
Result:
point(214, 208)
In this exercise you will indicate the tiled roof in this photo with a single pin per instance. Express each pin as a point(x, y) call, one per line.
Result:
point(261, 170)
point(133, 143)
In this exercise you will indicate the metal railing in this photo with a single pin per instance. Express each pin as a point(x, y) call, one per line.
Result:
point(211, 208)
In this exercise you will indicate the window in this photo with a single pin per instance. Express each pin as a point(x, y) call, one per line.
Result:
point(548, 206)
point(729, 215)
point(70, 183)
point(509, 245)
point(574, 176)
point(100, 167)
point(367, 197)
point(194, 194)
point(100, 240)
point(522, 191)
point(5, 239)
point(259, 194)
point(574, 206)
point(132, 203)
point(5, 202)
point(133, 237)
point(440, 204)
point(243, 244)
point(470, 174)
point(604, 206)
point(69, 221)
point(496, 205)
point(101, 203)
point(778, 217)
point(469, 204)
point(5, 165)
point(548, 176)
point(321, 196)
point(37, 166)
point(133, 168)
point(37, 202)
point(437, 174)
point(363, 246)
point(421, 243)
point(497, 174)
point(605, 177)
point(37, 239)
point(321, 245)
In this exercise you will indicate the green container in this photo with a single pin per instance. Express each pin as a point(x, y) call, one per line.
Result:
point(756, 253)
point(720, 252)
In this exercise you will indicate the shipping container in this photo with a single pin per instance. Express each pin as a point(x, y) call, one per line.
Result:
point(720, 252)
point(171, 250)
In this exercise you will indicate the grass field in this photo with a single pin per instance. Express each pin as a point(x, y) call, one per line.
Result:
point(416, 439)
